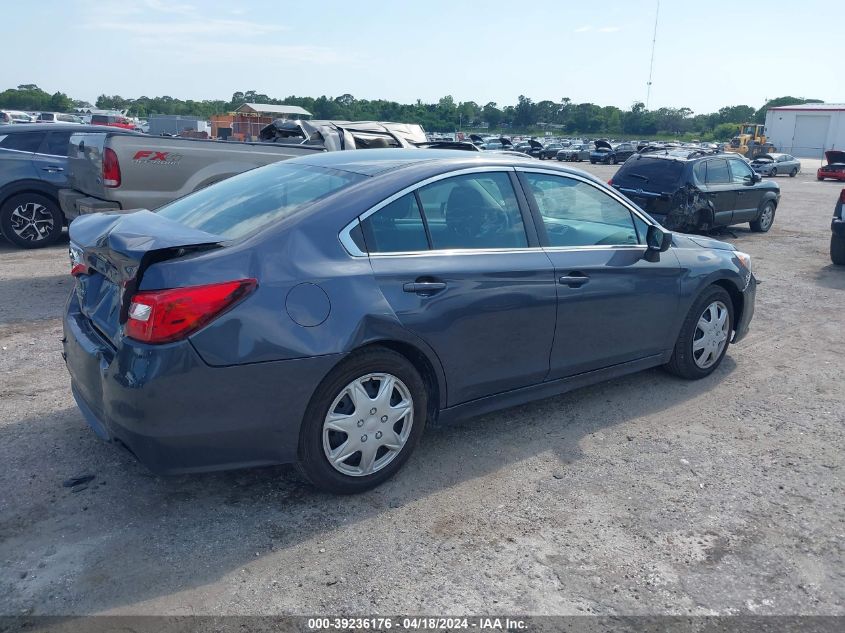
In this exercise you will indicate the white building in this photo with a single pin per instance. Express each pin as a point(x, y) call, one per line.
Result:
point(807, 130)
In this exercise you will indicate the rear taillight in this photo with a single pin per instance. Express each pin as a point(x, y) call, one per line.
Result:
point(610, 182)
point(163, 316)
point(111, 168)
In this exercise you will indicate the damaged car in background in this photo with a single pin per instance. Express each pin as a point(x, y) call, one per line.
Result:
point(776, 164)
point(696, 190)
point(835, 168)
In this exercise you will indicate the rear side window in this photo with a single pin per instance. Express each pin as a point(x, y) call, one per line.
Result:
point(57, 143)
point(255, 199)
point(396, 228)
point(650, 174)
point(473, 211)
point(717, 172)
point(23, 142)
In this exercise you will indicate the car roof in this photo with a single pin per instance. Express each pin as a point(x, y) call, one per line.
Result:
point(372, 162)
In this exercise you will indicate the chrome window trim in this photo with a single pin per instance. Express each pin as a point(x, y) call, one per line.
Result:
point(345, 234)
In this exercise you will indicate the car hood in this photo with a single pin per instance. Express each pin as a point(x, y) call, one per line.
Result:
point(764, 158)
point(535, 144)
point(685, 240)
point(602, 144)
point(835, 156)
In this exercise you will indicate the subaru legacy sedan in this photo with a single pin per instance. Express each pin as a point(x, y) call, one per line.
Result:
point(322, 310)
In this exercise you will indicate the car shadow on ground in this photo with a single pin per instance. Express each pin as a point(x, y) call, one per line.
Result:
point(134, 536)
point(831, 277)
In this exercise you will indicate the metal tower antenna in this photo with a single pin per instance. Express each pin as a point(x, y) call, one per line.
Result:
point(651, 64)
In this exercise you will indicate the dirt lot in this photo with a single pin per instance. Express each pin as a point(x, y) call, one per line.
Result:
point(644, 495)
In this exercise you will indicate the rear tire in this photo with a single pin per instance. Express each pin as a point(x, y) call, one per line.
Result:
point(794, 172)
point(31, 220)
point(317, 440)
point(837, 250)
point(765, 220)
point(699, 349)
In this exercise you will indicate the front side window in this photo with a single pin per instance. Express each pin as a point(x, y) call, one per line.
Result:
point(717, 172)
point(576, 213)
point(473, 211)
point(395, 228)
point(741, 172)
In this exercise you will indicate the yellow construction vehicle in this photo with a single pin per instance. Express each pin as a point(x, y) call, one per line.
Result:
point(750, 142)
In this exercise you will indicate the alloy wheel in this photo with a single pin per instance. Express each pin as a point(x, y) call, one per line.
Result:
point(767, 217)
point(368, 424)
point(711, 335)
point(32, 222)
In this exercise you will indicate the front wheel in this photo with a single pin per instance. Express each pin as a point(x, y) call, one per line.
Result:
point(765, 220)
point(363, 422)
point(837, 250)
point(705, 336)
point(31, 220)
point(774, 171)
point(613, 160)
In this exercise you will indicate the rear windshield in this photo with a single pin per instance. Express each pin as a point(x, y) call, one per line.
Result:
point(650, 174)
point(247, 202)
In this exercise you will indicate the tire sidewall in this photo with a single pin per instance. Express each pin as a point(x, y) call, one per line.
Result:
point(312, 458)
point(683, 354)
point(22, 198)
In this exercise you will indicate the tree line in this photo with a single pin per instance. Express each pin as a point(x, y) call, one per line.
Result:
point(447, 115)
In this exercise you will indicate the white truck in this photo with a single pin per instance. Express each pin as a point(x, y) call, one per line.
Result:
point(118, 171)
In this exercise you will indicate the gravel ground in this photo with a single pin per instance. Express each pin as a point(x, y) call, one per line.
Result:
point(644, 495)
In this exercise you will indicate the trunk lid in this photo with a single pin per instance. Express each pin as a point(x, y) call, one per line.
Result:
point(835, 156)
point(117, 248)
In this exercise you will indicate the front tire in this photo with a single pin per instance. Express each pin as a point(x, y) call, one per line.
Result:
point(613, 160)
point(837, 250)
point(363, 422)
point(31, 220)
point(774, 172)
point(765, 220)
point(705, 336)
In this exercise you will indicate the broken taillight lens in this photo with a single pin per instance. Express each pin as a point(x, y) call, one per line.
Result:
point(163, 316)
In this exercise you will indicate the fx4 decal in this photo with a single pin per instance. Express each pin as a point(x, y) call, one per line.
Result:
point(150, 157)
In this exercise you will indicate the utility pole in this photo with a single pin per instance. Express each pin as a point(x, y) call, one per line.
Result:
point(651, 64)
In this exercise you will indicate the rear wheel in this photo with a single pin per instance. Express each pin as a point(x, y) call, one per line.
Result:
point(31, 220)
point(837, 250)
point(705, 336)
point(765, 220)
point(363, 422)
point(794, 172)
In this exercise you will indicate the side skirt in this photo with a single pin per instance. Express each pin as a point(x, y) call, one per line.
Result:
point(548, 389)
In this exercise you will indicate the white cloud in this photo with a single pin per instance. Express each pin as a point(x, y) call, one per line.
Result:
point(583, 29)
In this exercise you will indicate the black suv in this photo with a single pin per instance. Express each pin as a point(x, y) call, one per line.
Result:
point(698, 190)
point(33, 167)
point(837, 230)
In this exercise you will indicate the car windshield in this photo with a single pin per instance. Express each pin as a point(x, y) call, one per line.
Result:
point(252, 200)
point(653, 174)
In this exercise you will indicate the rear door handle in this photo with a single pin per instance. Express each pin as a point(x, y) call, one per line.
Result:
point(575, 280)
point(52, 169)
point(424, 287)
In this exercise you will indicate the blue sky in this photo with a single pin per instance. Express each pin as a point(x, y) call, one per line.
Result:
point(710, 53)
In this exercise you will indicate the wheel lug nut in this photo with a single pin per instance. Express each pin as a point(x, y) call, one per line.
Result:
point(363, 438)
point(378, 435)
point(372, 411)
point(384, 418)
point(360, 423)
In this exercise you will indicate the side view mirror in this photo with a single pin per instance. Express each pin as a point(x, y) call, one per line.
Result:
point(755, 177)
point(657, 241)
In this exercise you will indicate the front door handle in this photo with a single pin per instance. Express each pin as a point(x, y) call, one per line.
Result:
point(424, 287)
point(575, 280)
